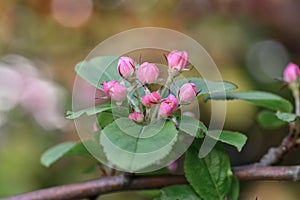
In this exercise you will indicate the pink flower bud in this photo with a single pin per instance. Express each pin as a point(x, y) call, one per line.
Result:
point(148, 73)
point(187, 93)
point(95, 127)
point(150, 99)
point(177, 59)
point(172, 166)
point(291, 72)
point(168, 106)
point(126, 67)
point(136, 116)
point(115, 90)
point(189, 114)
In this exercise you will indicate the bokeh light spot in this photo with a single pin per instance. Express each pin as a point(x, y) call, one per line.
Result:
point(71, 13)
point(266, 60)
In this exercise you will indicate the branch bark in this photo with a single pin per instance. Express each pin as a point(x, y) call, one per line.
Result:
point(126, 182)
point(276, 154)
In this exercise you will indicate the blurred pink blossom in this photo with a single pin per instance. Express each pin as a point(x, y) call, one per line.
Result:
point(172, 166)
point(95, 127)
point(23, 84)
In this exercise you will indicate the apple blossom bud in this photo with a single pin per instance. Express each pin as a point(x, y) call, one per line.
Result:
point(168, 106)
point(187, 93)
point(150, 99)
point(126, 67)
point(136, 116)
point(115, 90)
point(172, 166)
point(177, 60)
point(291, 72)
point(189, 114)
point(95, 127)
point(148, 73)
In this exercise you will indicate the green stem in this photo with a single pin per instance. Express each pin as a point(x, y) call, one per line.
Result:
point(167, 86)
point(139, 107)
point(163, 93)
point(294, 86)
point(139, 99)
point(297, 101)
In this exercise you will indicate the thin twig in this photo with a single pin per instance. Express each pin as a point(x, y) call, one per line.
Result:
point(124, 182)
point(275, 154)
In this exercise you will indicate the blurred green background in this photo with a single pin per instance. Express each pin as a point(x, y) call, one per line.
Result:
point(250, 41)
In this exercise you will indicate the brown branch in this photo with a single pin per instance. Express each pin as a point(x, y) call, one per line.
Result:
point(125, 182)
point(101, 186)
point(275, 154)
point(282, 173)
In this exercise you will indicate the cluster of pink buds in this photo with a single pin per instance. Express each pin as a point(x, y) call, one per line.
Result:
point(151, 104)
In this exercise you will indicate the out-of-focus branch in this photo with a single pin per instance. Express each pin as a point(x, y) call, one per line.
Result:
point(126, 182)
point(101, 186)
point(275, 154)
point(283, 173)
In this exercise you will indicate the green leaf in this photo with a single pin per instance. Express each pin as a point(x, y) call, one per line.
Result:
point(149, 193)
point(90, 169)
point(268, 119)
point(98, 69)
point(132, 147)
point(286, 117)
point(259, 98)
point(205, 86)
point(235, 189)
point(105, 118)
point(90, 111)
point(178, 192)
point(192, 126)
point(209, 176)
point(64, 149)
point(229, 137)
point(132, 96)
